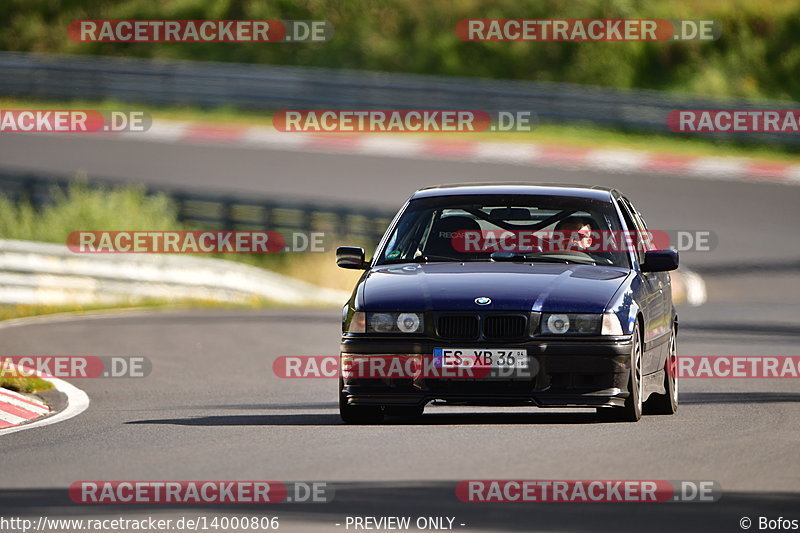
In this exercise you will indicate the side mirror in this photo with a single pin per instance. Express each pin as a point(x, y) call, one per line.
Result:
point(660, 261)
point(350, 257)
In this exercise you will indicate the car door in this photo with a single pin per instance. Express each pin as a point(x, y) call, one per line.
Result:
point(664, 325)
point(655, 334)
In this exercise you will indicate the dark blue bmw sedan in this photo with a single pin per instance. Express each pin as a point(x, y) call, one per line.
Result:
point(512, 295)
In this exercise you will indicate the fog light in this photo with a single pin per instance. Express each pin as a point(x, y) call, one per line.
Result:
point(558, 324)
point(408, 322)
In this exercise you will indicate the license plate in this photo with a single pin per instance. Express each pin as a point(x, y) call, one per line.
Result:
point(479, 358)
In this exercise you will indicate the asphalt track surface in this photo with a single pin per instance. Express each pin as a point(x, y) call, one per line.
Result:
point(211, 409)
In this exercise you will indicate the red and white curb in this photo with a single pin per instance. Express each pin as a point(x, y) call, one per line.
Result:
point(77, 402)
point(17, 409)
point(421, 147)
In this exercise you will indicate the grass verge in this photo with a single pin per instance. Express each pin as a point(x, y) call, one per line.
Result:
point(27, 384)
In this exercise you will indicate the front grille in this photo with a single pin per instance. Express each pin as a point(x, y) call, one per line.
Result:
point(502, 327)
point(458, 327)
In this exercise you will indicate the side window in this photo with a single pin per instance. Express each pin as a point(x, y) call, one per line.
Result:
point(631, 223)
point(640, 223)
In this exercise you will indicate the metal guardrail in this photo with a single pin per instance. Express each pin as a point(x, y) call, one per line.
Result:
point(224, 212)
point(40, 273)
point(268, 87)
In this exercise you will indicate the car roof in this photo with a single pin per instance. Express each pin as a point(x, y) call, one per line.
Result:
point(594, 192)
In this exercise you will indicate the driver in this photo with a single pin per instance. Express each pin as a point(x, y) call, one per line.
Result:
point(574, 233)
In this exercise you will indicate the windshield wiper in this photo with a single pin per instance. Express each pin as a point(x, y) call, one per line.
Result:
point(429, 259)
point(545, 259)
point(434, 258)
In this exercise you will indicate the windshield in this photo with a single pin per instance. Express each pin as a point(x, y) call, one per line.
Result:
point(506, 228)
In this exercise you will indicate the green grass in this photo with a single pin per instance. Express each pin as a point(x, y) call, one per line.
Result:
point(87, 208)
point(25, 384)
point(12, 311)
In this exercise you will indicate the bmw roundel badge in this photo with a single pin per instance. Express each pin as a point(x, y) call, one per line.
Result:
point(483, 300)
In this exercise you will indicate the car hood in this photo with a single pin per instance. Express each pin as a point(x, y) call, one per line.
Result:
point(543, 287)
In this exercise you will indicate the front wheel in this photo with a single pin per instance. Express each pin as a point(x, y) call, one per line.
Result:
point(358, 414)
point(632, 410)
point(667, 404)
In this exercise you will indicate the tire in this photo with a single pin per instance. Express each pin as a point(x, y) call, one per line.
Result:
point(632, 410)
point(414, 411)
point(358, 414)
point(667, 404)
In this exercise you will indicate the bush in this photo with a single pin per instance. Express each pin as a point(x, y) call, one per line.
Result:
point(86, 208)
point(756, 56)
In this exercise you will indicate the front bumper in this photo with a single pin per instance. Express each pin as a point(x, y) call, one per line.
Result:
point(582, 372)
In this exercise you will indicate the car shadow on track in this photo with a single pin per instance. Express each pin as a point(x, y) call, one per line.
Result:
point(332, 419)
point(442, 418)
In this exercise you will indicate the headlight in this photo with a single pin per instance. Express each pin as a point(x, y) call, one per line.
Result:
point(571, 324)
point(381, 322)
point(557, 324)
point(395, 323)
